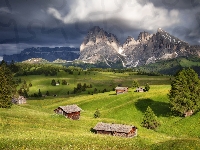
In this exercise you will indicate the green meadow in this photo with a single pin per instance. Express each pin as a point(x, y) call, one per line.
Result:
point(35, 125)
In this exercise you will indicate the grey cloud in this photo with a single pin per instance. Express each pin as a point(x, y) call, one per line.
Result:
point(31, 23)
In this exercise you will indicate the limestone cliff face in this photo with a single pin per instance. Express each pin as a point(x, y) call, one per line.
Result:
point(151, 47)
point(100, 46)
point(97, 35)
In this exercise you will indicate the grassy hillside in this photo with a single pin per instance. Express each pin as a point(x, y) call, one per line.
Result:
point(98, 80)
point(35, 126)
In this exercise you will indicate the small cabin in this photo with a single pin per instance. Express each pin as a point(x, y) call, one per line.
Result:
point(121, 90)
point(69, 111)
point(116, 129)
point(188, 113)
point(140, 89)
point(19, 100)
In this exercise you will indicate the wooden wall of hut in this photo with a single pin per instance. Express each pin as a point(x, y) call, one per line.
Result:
point(74, 115)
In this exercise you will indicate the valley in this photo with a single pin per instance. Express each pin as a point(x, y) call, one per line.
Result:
point(34, 125)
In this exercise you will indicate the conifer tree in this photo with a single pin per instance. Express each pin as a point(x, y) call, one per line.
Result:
point(150, 119)
point(53, 82)
point(7, 87)
point(47, 93)
point(97, 114)
point(185, 92)
point(25, 93)
point(147, 87)
point(135, 84)
point(39, 93)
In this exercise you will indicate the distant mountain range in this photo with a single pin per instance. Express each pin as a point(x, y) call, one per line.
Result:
point(49, 54)
point(100, 46)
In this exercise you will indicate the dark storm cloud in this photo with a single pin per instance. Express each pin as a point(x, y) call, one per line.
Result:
point(28, 23)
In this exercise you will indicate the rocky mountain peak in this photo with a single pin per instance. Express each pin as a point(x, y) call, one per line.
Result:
point(159, 30)
point(97, 35)
point(129, 41)
point(100, 46)
point(143, 36)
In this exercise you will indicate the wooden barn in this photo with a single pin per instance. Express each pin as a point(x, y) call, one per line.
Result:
point(69, 111)
point(116, 129)
point(19, 100)
point(121, 90)
point(140, 89)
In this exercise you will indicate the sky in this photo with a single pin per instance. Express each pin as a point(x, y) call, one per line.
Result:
point(50, 23)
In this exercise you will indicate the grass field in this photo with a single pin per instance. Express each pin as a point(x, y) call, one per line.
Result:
point(99, 80)
point(35, 125)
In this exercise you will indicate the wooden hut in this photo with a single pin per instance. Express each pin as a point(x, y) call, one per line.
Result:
point(140, 89)
point(121, 90)
point(188, 113)
point(69, 111)
point(19, 100)
point(116, 129)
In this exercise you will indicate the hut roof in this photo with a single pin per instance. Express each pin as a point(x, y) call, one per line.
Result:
point(121, 88)
point(70, 108)
point(21, 98)
point(113, 127)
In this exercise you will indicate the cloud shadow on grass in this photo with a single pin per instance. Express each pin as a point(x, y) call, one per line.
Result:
point(159, 108)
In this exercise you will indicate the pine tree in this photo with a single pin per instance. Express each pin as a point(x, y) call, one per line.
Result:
point(135, 84)
point(53, 82)
point(47, 93)
point(64, 82)
point(150, 120)
point(97, 114)
point(58, 82)
point(185, 92)
point(147, 87)
point(39, 93)
point(7, 87)
point(30, 85)
point(25, 94)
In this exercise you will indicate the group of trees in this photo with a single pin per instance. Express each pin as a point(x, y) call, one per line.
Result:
point(53, 82)
point(39, 94)
point(79, 88)
point(24, 89)
point(184, 97)
point(111, 70)
point(25, 69)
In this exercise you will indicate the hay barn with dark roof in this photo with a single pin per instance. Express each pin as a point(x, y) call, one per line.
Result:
point(116, 129)
point(69, 111)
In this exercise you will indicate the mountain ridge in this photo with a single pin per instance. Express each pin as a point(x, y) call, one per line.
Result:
point(98, 45)
point(50, 54)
